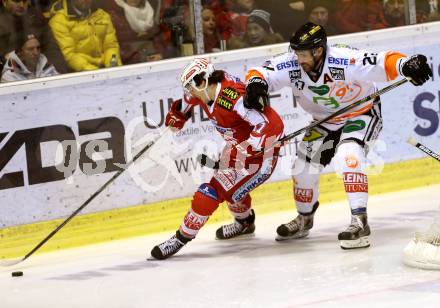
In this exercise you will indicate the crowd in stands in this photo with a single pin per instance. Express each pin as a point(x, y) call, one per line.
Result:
point(41, 38)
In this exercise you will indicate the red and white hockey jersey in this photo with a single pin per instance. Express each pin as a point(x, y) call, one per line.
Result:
point(236, 123)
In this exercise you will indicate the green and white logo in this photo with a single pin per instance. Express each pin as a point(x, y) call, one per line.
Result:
point(353, 126)
point(321, 90)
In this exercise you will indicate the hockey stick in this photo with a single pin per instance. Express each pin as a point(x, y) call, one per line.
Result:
point(424, 149)
point(116, 175)
point(207, 161)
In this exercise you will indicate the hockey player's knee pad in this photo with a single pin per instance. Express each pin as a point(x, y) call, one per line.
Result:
point(205, 200)
point(306, 174)
point(350, 157)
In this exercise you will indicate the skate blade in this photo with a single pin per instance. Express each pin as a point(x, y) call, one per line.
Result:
point(362, 242)
point(238, 237)
point(280, 238)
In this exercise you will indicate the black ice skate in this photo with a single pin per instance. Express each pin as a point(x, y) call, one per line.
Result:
point(356, 235)
point(297, 228)
point(239, 227)
point(169, 247)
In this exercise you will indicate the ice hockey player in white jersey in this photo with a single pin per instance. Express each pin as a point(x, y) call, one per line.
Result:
point(326, 79)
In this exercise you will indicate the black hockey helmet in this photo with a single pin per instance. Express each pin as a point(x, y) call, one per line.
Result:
point(309, 36)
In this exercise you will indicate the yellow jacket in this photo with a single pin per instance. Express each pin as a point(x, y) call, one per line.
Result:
point(87, 42)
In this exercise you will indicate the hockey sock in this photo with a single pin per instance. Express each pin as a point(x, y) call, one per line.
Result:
point(349, 162)
point(241, 209)
point(305, 187)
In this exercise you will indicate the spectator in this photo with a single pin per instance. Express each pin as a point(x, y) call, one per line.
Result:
point(150, 52)
point(318, 12)
point(223, 16)
point(27, 62)
point(17, 18)
point(175, 28)
point(85, 34)
point(394, 12)
point(211, 37)
point(43, 5)
point(134, 24)
point(358, 15)
point(258, 32)
point(427, 10)
point(239, 15)
point(290, 14)
point(434, 13)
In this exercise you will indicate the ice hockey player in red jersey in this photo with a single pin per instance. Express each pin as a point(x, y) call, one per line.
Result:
point(326, 79)
point(246, 131)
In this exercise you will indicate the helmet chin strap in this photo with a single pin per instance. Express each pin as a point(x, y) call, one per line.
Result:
point(318, 60)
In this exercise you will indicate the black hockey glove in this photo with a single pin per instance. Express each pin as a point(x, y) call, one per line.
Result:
point(416, 69)
point(256, 96)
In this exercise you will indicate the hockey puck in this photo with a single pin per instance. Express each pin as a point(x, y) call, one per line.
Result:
point(17, 274)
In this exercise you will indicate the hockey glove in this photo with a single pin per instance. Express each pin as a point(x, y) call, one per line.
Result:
point(416, 69)
point(256, 96)
point(175, 118)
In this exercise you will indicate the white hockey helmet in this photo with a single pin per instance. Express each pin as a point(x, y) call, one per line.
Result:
point(196, 67)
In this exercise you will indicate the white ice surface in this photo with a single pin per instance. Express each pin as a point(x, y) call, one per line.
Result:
point(256, 272)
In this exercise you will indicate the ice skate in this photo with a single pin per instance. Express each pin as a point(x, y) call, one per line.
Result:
point(356, 234)
point(239, 228)
point(297, 228)
point(169, 247)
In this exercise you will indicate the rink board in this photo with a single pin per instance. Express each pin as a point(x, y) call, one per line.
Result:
point(167, 216)
point(105, 117)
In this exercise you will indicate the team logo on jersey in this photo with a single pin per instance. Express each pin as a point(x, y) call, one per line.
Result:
point(230, 93)
point(224, 103)
point(352, 61)
point(370, 58)
point(321, 90)
point(337, 73)
point(295, 74)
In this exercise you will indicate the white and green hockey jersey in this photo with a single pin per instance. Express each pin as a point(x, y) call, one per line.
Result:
point(348, 75)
